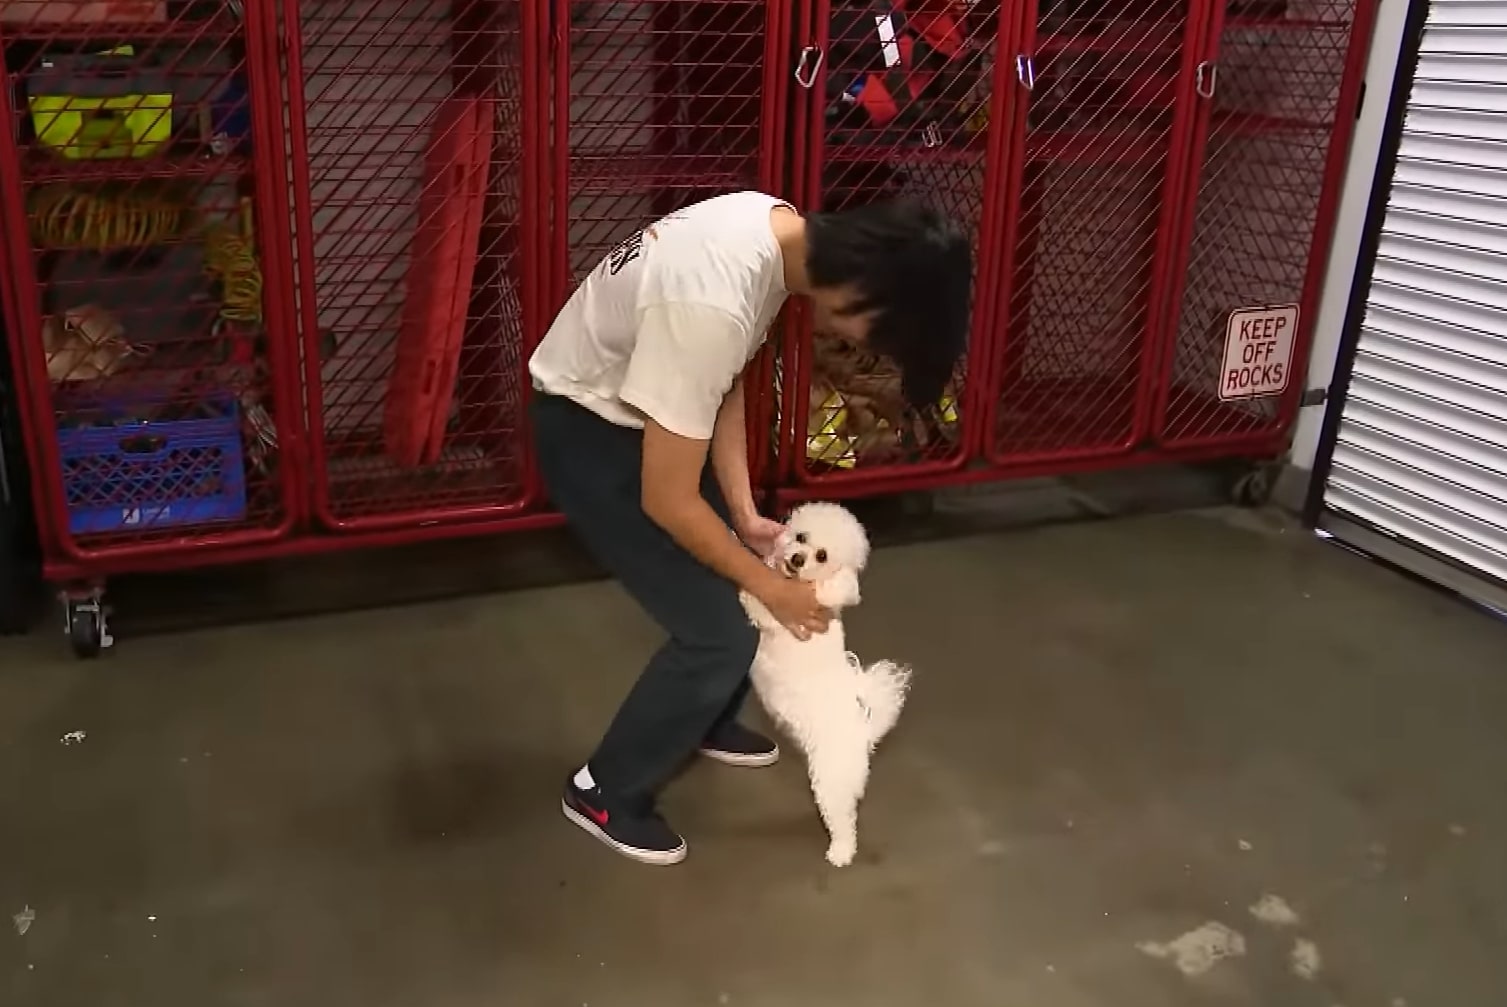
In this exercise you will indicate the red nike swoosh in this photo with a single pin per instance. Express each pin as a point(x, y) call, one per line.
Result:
point(600, 817)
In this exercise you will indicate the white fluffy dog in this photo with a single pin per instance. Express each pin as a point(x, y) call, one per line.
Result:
point(817, 692)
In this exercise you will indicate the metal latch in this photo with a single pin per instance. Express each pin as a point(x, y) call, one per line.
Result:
point(807, 66)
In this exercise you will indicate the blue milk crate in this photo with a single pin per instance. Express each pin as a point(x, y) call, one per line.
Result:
point(141, 476)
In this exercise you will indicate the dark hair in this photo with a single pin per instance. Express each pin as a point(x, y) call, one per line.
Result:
point(912, 265)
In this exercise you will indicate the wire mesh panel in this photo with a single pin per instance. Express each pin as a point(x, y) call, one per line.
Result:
point(660, 103)
point(411, 155)
point(134, 203)
point(896, 104)
point(1107, 107)
point(1277, 112)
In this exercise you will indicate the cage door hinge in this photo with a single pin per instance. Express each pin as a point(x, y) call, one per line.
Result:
point(1360, 98)
point(1314, 397)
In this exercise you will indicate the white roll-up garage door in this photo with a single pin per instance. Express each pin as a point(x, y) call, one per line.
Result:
point(1419, 466)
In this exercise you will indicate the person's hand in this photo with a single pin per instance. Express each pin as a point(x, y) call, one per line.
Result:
point(759, 533)
point(793, 602)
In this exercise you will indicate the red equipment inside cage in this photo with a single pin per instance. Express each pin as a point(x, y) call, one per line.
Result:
point(439, 280)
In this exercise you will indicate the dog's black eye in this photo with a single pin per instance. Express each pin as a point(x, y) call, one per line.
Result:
point(800, 537)
point(821, 555)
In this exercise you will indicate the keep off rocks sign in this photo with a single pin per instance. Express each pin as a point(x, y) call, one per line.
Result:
point(1258, 352)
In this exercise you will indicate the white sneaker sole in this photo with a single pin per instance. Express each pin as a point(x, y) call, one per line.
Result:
point(656, 858)
point(746, 761)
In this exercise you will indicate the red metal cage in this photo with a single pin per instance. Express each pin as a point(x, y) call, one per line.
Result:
point(413, 143)
point(1276, 106)
point(138, 206)
point(273, 269)
point(1098, 137)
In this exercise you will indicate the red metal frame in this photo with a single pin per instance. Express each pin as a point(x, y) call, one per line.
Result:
point(1233, 433)
point(266, 95)
point(10, 300)
point(812, 156)
point(780, 415)
point(788, 496)
point(63, 570)
point(759, 378)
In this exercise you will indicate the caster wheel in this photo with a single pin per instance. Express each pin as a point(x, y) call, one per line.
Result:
point(88, 634)
point(1254, 487)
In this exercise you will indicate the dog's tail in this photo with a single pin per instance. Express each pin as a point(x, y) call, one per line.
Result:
point(882, 688)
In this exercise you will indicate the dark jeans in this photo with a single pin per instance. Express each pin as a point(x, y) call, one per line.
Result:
point(699, 678)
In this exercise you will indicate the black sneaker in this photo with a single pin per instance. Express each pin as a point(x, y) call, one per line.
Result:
point(639, 834)
point(736, 745)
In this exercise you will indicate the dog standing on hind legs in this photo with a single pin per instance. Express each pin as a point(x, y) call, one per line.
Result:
point(818, 693)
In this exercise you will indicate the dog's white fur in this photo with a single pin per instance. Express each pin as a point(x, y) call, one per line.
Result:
point(817, 692)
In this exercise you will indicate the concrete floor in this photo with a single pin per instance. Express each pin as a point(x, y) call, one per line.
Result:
point(1121, 731)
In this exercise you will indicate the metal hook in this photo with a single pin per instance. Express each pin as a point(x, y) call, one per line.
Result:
point(1206, 79)
point(806, 76)
point(1025, 72)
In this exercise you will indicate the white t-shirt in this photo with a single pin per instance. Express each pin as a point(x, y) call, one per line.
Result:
point(670, 317)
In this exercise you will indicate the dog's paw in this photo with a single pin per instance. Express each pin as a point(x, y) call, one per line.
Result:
point(839, 591)
point(841, 854)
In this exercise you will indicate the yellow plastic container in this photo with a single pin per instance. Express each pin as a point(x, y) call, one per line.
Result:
point(80, 128)
point(830, 445)
point(947, 409)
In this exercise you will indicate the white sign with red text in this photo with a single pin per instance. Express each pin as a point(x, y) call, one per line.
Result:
point(1258, 346)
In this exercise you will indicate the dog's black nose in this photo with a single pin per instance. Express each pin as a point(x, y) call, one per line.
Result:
point(798, 560)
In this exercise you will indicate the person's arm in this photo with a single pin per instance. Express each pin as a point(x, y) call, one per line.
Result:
point(681, 374)
point(672, 499)
point(683, 367)
point(730, 457)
